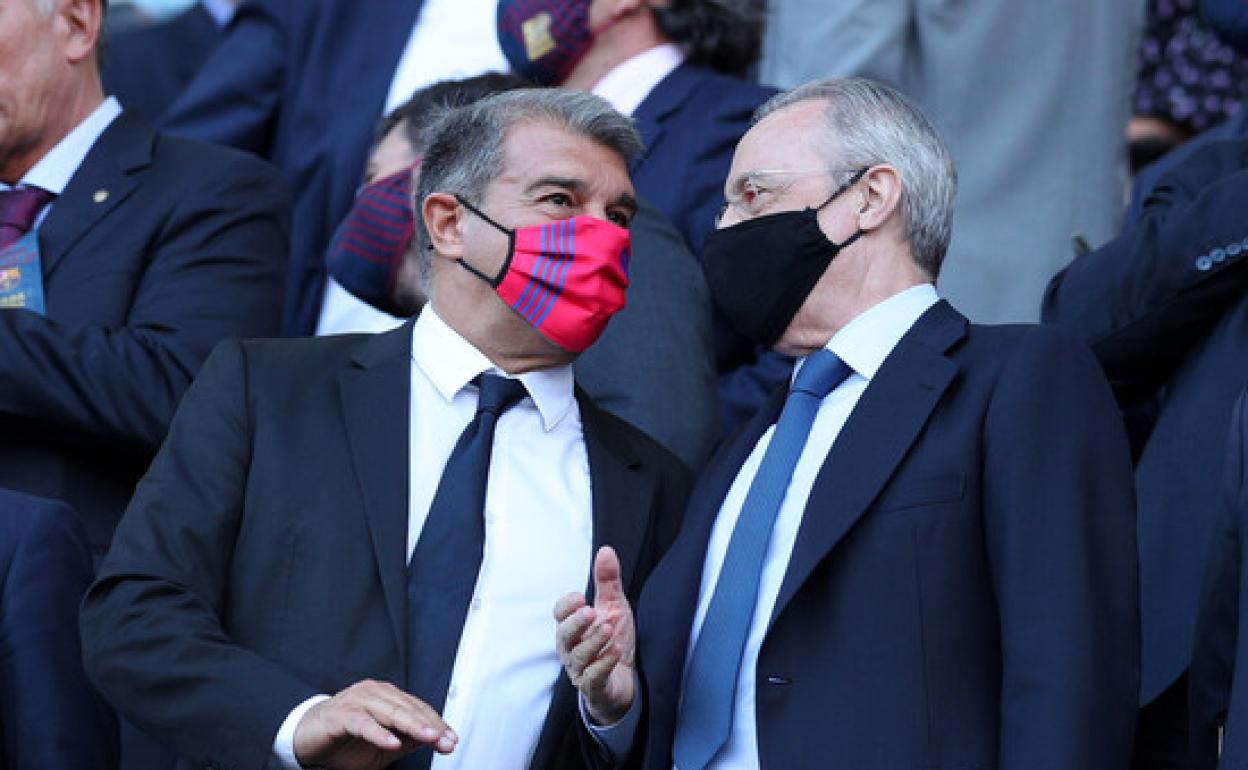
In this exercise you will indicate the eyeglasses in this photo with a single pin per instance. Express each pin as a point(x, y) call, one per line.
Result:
point(754, 191)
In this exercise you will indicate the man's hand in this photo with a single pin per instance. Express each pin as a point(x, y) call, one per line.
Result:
point(598, 645)
point(368, 726)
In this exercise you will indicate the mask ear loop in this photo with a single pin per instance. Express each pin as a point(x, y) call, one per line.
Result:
point(848, 184)
point(511, 247)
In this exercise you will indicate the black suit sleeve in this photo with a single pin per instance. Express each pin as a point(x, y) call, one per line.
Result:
point(1217, 628)
point(1060, 536)
point(1144, 299)
point(236, 96)
point(152, 625)
point(214, 270)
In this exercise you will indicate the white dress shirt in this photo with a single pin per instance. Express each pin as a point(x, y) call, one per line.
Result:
point(54, 170)
point(538, 543)
point(221, 11)
point(628, 83)
point(450, 39)
point(863, 344)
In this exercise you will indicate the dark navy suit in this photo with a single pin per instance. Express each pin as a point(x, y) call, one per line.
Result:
point(157, 250)
point(962, 592)
point(147, 67)
point(301, 83)
point(50, 715)
point(1219, 678)
point(1165, 309)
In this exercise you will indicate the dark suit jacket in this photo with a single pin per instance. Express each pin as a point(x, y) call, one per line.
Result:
point(158, 249)
point(266, 89)
point(962, 591)
point(50, 715)
point(1165, 309)
point(690, 124)
point(148, 67)
point(264, 551)
point(654, 365)
point(1218, 693)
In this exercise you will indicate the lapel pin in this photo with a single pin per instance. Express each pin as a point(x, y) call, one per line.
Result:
point(100, 196)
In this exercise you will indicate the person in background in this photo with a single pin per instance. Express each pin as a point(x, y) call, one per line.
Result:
point(653, 365)
point(148, 67)
point(920, 553)
point(125, 256)
point(319, 566)
point(264, 89)
point(1165, 307)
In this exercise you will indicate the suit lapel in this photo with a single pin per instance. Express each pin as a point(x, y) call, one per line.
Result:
point(885, 423)
point(376, 405)
point(99, 185)
point(663, 100)
point(621, 490)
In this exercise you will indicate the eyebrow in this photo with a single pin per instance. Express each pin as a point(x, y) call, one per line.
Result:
point(575, 185)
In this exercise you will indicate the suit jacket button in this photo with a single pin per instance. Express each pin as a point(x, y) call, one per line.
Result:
point(1219, 255)
point(1204, 263)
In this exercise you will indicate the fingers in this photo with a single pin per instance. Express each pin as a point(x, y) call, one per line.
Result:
point(569, 632)
point(608, 586)
point(568, 605)
point(411, 718)
point(590, 644)
point(376, 713)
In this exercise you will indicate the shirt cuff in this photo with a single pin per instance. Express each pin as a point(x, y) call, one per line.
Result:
point(284, 743)
point(615, 741)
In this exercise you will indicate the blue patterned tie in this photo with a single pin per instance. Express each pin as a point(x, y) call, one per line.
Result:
point(442, 574)
point(711, 681)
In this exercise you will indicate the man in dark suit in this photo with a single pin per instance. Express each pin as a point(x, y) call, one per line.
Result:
point(665, 388)
point(1165, 308)
point(150, 251)
point(147, 67)
point(50, 714)
point(927, 559)
point(265, 551)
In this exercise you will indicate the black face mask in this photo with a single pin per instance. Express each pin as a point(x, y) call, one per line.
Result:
point(760, 271)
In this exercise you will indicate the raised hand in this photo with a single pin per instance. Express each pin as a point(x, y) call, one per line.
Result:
point(368, 726)
point(598, 645)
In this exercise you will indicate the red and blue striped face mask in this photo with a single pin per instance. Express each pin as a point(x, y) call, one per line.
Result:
point(565, 278)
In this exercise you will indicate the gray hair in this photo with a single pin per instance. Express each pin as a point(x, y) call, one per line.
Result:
point(870, 123)
point(466, 152)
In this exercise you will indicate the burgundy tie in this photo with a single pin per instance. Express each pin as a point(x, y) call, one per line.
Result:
point(18, 210)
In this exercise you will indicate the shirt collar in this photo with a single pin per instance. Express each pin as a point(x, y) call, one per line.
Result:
point(628, 84)
point(870, 337)
point(58, 166)
point(451, 363)
point(221, 11)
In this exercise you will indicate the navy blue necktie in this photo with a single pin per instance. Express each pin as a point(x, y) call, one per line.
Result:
point(443, 571)
point(710, 683)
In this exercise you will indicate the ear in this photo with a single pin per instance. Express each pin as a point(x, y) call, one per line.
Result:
point(444, 220)
point(80, 21)
point(877, 196)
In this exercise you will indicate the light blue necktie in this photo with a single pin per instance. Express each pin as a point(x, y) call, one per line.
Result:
point(711, 682)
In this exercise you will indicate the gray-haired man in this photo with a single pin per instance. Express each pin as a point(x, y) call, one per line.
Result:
point(922, 555)
point(323, 559)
